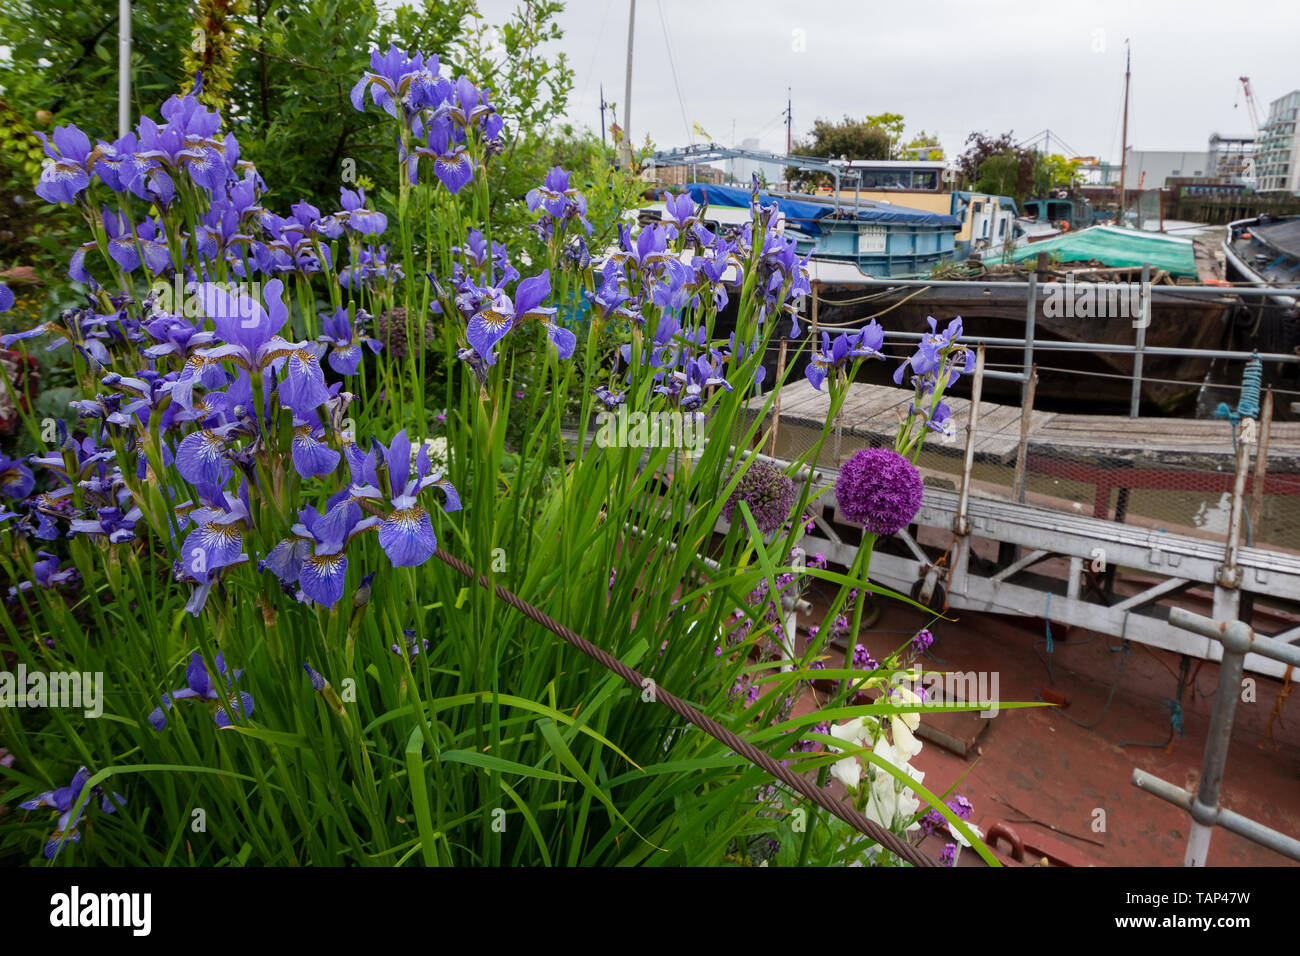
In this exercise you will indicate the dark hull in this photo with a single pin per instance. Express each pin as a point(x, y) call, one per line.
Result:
point(1103, 380)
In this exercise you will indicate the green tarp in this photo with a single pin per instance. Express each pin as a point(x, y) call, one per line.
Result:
point(1113, 247)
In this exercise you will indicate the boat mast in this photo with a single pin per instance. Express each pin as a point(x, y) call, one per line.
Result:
point(627, 91)
point(1123, 150)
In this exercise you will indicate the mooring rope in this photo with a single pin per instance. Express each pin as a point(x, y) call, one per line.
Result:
point(858, 821)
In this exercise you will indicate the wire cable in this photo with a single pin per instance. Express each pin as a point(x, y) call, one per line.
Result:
point(743, 748)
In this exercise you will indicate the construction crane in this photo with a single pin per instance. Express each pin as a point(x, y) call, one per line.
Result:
point(1250, 105)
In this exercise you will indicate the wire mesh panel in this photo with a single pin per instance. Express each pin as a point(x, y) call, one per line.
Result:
point(1171, 475)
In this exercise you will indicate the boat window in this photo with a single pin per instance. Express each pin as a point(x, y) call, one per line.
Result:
point(1002, 228)
point(925, 179)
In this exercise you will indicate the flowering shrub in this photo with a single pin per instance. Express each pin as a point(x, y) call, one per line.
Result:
point(248, 476)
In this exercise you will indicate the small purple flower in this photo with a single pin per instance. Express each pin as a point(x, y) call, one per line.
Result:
point(922, 641)
point(6, 298)
point(949, 855)
point(862, 660)
point(879, 489)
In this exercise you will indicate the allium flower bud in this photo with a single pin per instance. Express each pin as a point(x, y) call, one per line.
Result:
point(768, 491)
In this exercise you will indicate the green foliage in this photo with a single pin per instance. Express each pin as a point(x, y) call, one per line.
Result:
point(891, 123)
point(847, 139)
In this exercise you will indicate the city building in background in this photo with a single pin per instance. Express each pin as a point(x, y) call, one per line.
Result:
point(1277, 166)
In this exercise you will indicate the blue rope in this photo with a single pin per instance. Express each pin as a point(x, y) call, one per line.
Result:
point(1248, 405)
point(1175, 716)
point(1047, 623)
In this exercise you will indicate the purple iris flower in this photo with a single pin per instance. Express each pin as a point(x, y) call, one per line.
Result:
point(491, 323)
point(63, 800)
point(683, 214)
point(315, 557)
point(452, 163)
point(468, 104)
point(931, 354)
point(610, 300)
point(16, 479)
point(412, 644)
point(372, 266)
point(356, 217)
point(216, 542)
point(406, 533)
point(63, 173)
point(251, 338)
point(45, 574)
point(311, 456)
point(847, 347)
point(648, 253)
point(6, 298)
point(114, 522)
point(396, 78)
point(346, 337)
point(200, 686)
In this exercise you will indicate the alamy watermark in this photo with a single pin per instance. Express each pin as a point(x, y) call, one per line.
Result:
point(63, 689)
point(1097, 300)
point(181, 297)
point(946, 688)
point(630, 429)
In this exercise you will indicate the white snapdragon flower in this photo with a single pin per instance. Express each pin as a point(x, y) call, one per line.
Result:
point(889, 800)
point(858, 732)
point(903, 725)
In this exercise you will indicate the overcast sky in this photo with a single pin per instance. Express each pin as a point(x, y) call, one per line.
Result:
point(950, 67)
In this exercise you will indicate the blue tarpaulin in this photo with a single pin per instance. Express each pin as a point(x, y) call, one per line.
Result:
point(806, 214)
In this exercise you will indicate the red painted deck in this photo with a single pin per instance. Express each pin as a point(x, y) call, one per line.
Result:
point(1035, 763)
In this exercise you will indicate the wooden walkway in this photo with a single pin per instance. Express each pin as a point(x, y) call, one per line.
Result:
point(872, 412)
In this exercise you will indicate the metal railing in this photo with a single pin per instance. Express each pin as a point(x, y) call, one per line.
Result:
point(1139, 349)
point(1238, 640)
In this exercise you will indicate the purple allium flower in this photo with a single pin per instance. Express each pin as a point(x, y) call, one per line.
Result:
point(879, 489)
point(768, 491)
point(949, 855)
point(923, 640)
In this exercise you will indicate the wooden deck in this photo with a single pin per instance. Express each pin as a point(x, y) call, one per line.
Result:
point(872, 412)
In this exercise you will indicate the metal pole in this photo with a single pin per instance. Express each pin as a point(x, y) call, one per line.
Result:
point(1237, 639)
point(1235, 822)
point(123, 67)
point(627, 90)
point(776, 401)
point(602, 116)
point(1228, 575)
point(1261, 463)
point(1144, 319)
point(1022, 450)
point(968, 465)
point(1031, 319)
point(1123, 150)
